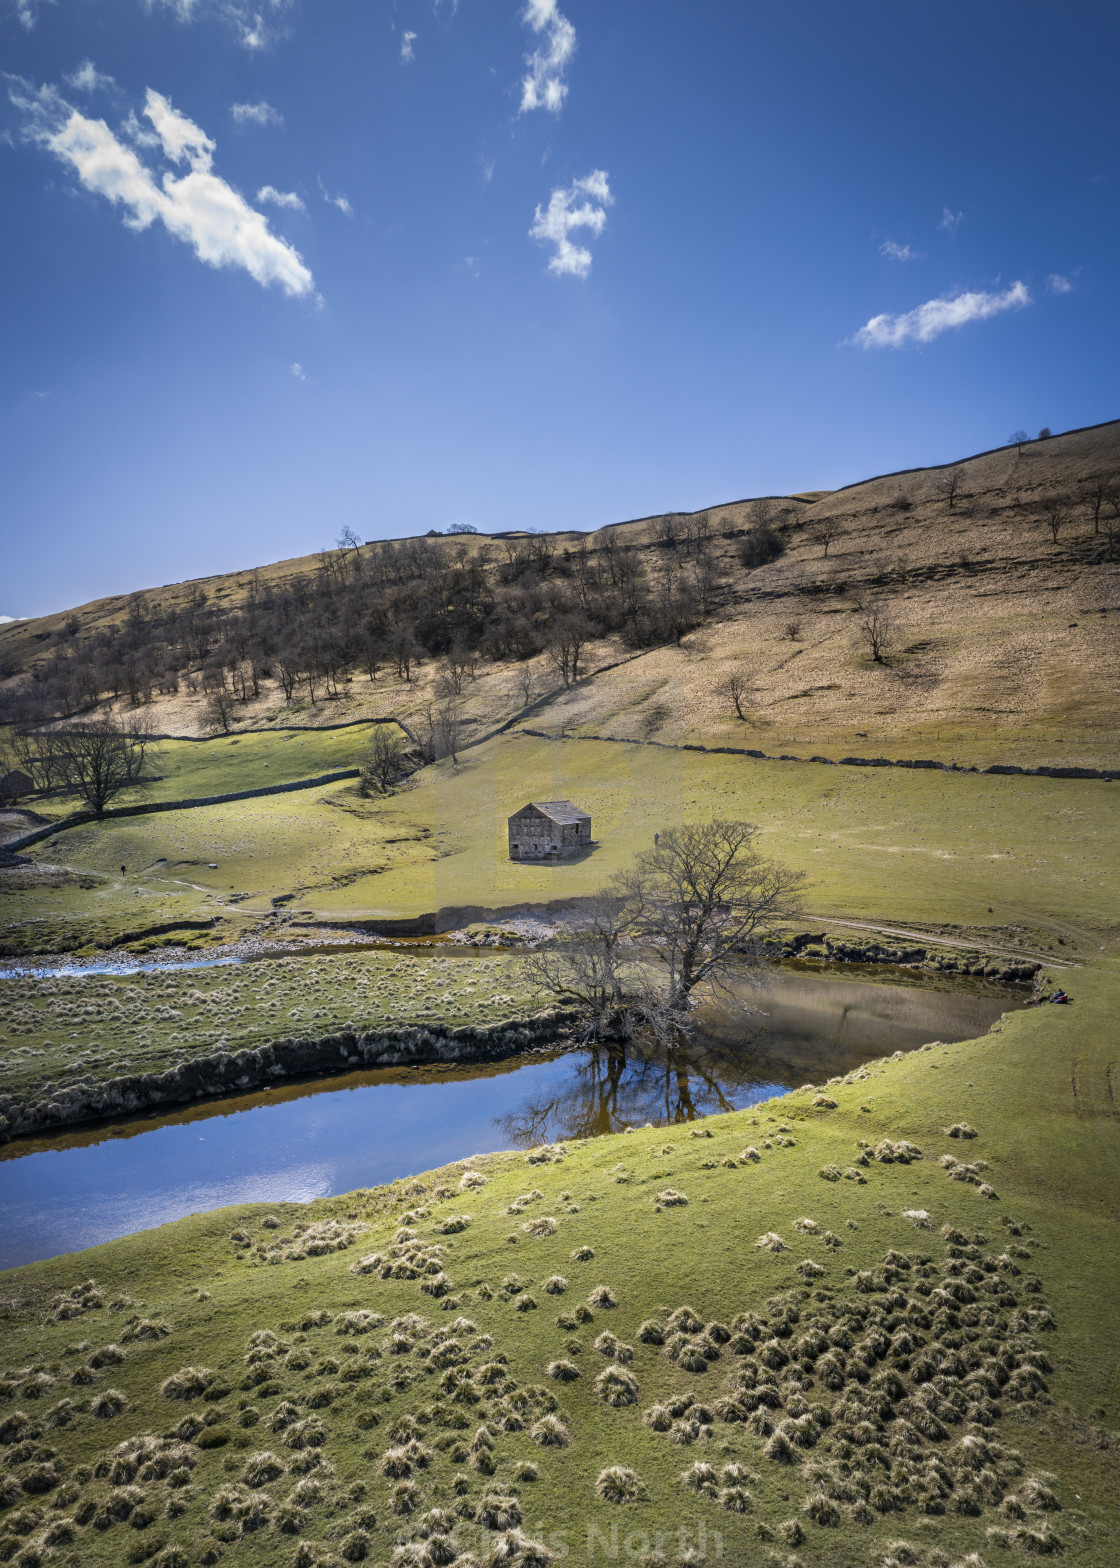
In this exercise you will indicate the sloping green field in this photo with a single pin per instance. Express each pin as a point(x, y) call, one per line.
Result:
point(232, 1387)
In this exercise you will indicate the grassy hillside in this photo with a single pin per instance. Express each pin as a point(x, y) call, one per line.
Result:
point(246, 1385)
point(1003, 647)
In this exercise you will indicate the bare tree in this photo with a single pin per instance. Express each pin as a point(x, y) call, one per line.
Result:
point(348, 540)
point(876, 629)
point(702, 897)
point(792, 630)
point(384, 763)
point(948, 485)
point(101, 759)
point(737, 687)
point(446, 727)
point(1057, 512)
point(1096, 498)
point(219, 710)
point(826, 533)
point(1019, 439)
point(526, 683)
point(566, 640)
point(592, 962)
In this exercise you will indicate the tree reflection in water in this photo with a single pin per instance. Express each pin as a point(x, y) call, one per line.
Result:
point(627, 1084)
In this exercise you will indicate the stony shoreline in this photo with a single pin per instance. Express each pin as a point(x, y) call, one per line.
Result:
point(74, 1103)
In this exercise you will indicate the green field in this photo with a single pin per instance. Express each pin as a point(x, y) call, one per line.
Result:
point(879, 1394)
point(875, 843)
point(979, 1423)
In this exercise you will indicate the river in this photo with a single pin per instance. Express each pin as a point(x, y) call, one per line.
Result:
point(309, 1140)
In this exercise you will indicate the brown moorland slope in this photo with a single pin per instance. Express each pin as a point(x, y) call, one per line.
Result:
point(996, 580)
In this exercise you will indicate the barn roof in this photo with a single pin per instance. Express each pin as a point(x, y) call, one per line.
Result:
point(557, 810)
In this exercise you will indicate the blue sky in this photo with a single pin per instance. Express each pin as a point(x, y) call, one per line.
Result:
point(273, 267)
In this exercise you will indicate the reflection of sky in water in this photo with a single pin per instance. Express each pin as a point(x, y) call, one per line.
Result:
point(326, 1141)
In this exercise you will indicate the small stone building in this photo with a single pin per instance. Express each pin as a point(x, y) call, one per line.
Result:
point(548, 830)
point(14, 785)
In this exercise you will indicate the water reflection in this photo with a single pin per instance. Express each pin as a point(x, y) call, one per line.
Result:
point(311, 1139)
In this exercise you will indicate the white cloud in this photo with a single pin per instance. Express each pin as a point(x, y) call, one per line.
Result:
point(928, 321)
point(899, 252)
point(340, 201)
point(198, 207)
point(950, 221)
point(7, 619)
point(408, 51)
point(1059, 285)
point(554, 224)
point(32, 393)
point(25, 11)
point(256, 114)
point(298, 371)
point(289, 199)
point(257, 23)
point(544, 86)
point(88, 79)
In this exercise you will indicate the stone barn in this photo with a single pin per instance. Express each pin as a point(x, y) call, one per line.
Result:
point(548, 830)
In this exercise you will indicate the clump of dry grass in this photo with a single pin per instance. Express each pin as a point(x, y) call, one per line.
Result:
point(609, 1345)
point(616, 1387)
point(564, 1371)
point(823, 1102)
point(543, 1225)
point(550, 1432)
point(452, 1224)
point(618, 1484)
point(960, 1130)
point(555, 1285)
point(582, 1255)
point(770, 1241)
point(602, 1296)
point(471, 1180)
point(187, 1383)
point(750, 1155)
point(829, 1172)
point(670, 1198)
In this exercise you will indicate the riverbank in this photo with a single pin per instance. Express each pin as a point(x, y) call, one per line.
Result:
point(844, 1377)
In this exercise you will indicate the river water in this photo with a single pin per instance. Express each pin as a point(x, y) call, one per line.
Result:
point(309, 1140)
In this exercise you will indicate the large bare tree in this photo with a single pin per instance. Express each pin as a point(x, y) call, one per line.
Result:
point(101, 758)
point(385, 762)
point(691, 911)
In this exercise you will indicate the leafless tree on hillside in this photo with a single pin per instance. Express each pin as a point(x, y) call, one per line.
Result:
point(737, 687)
point(1096, 497)
point(792, 630)
point(826, 533)
point(102, 758)
point(219, 710)
point(876, 629)
point(348, 540)
point(566, 641)
point(384, 763)
point(949, 484)
point(447, 728)
point(1018, 439)
point(1057, 512)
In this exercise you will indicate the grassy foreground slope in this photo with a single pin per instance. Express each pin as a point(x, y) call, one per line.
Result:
point(246, 1386)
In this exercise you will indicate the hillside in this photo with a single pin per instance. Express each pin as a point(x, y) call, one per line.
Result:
point(1001, 634)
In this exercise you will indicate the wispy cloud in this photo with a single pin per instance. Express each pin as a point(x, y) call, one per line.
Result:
point(899, 252)
point(543, 86)
point(27, 12)
point(936, 316)
point(256, 114)
point(88, 79)
point(1059, 285)
point(340, 201)
point(581, 205)
point(408, 46)
point(198, 207)
point(31, 392)
point(950, 220)
point(298, 371)
point(275, 198)
point(5, 620)
point(257, 23)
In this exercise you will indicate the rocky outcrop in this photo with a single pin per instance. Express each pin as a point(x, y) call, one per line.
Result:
point(807, 944)
point(83, 1101)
